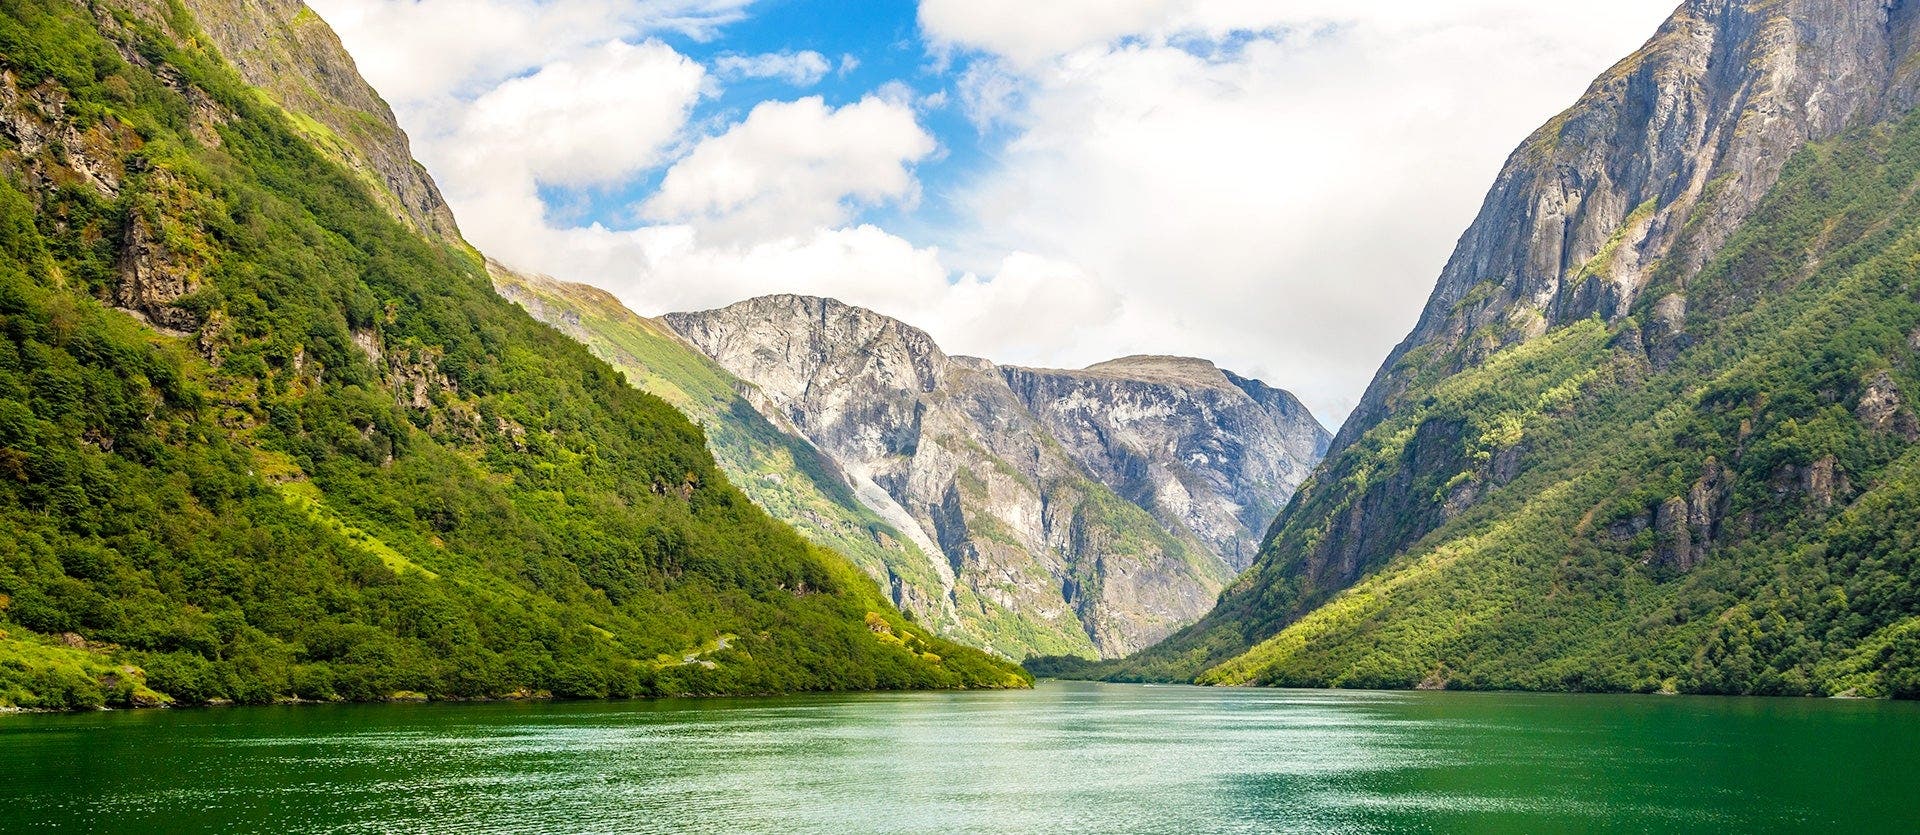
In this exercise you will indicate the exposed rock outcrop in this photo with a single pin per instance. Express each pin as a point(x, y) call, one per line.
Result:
point(1820, 484)
point(153, 277)
point(54, 150)
point(1688, 527)
point(1883, 410)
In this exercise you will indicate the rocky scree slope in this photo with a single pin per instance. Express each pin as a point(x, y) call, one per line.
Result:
point(1654, 429)
point(267, 433)
point(1071, 512)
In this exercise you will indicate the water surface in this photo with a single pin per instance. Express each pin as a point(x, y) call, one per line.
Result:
point(1063, 758)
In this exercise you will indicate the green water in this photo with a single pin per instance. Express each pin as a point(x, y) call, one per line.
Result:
point(1064, 758)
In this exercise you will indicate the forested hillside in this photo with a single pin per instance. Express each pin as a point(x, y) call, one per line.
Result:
point(261, 438)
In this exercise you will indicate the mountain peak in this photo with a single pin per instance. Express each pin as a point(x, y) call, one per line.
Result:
point(1151, 367)
point(1620, 200)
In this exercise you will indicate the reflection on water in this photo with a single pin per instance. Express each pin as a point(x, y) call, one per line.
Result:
point(1065, 758)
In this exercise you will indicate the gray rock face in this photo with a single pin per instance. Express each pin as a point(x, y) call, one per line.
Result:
point(1061, 500)
point(1650, 172)
point(1195, 446)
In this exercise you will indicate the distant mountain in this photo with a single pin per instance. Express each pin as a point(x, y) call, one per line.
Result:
point(267, 433)
point(1654, 430)
point(1071, 512)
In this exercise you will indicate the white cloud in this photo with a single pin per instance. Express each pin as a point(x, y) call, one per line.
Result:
point(794, 166)
point(1029, 32)
point(800, 69)
point(1031, 307)
point(989, 93)
point(425, 51)
point(597, 118)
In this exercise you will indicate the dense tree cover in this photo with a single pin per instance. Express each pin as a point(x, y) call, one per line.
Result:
point(1785, 559)
point(359, 472)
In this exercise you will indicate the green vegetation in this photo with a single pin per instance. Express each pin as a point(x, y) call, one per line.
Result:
point(1791, 565)
point(363, 473)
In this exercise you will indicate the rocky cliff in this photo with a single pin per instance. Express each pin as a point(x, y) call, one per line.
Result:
point(1648, 175)
point(1654, 408)
point(1199, 448)
point(1057, 541)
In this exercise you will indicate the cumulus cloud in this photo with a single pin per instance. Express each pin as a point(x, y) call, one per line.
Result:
point(793, 166)
point(599, 117)
point(604, 115)
point(989, 93)
point(420, 52)
point(527, 95)
point(800, 69)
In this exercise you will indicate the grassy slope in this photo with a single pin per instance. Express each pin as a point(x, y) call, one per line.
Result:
point(1547, 584)
point(267, 511)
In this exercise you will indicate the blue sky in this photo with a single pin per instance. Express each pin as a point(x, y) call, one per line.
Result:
point(885, 48)
point(1269, 184)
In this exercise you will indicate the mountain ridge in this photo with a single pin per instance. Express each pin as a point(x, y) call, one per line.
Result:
point(951, 443)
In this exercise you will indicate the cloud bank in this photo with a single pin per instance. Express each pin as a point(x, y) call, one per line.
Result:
point(1272, 186)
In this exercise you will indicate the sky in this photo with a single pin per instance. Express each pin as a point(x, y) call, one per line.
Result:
point(1273, 185)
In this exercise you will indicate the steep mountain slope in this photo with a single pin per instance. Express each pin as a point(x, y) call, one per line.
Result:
point(776, 467)
point(265, 432)
point(1654, 429)
point(1046, 556)
point(284, 50)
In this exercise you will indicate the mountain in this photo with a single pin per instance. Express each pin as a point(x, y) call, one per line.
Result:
point(1654, 430)
point(771, 463)
point(1088, 512)
point(1196, 446)
point(266, 431)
